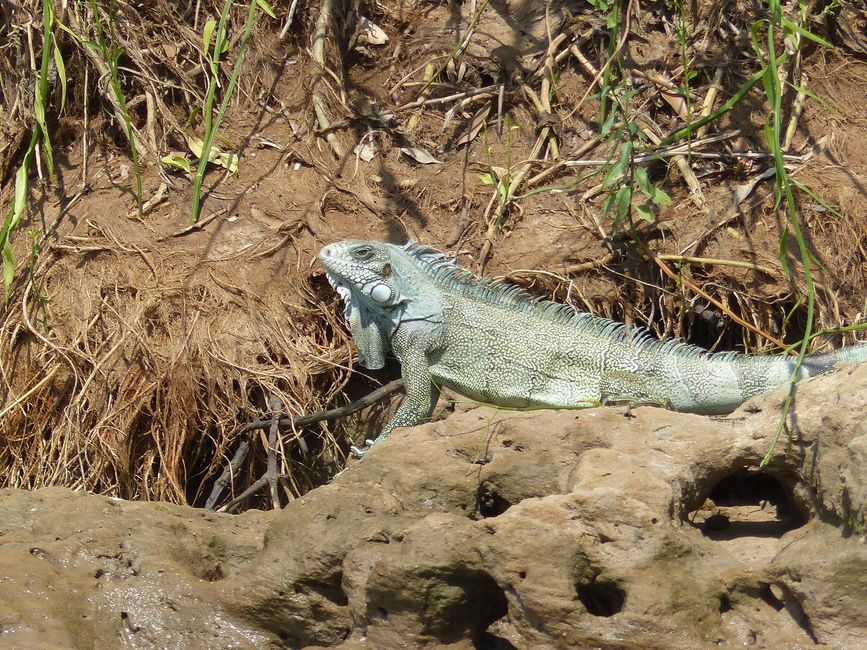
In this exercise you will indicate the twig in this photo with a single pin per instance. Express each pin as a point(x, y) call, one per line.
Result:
point(585, 63)
point(325, 125)
point(494, 225)
point(545, 173)
point(158, 197)
point(29, 392)
point(797, 108)
point(289, 17)
point(260, 483)
point(117, 110)
point(710, 100)
point(231, 469)
point(403, 79)
point(580, 39)
point(84, 140)
point(716, 262)
point(587, 266)
point(688, 175)
point(623, 38)
point(37, 148)
point(567, 270)
point(287, 423)
point(679, 151)
point(500, 97)
point(672, 150)
point(461, 46)
point(428, 78)
point(681, 278)
point(546, 89)
point(199, 225)
point(416, 103)
point(331, 414)
point(271, 473)
point(322, 23)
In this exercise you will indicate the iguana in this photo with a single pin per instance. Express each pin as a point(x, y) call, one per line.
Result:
point(493, 342)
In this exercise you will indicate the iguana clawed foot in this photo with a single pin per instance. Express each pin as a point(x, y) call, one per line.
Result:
point(360, 453)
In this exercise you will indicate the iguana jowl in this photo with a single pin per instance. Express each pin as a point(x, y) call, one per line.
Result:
point(493, 342)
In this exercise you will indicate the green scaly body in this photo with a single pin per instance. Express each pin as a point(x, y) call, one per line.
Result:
point(494, 343)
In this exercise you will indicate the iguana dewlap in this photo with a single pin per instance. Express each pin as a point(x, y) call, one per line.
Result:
point(493, 342)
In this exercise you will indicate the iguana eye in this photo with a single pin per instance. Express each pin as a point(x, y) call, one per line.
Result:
point(364, 253)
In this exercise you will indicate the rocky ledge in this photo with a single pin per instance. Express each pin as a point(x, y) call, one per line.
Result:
point(596, 528)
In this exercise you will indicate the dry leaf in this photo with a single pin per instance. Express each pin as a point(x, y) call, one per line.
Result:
point(419, 155)
point(365, 150)
point(475, 126)
point(743, 191)
point(370, 33)
point(667, 90)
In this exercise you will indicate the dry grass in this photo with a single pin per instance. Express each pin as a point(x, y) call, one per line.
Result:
point(132, 403)
point(131, 379)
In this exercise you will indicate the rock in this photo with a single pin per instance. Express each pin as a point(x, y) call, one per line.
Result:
point(543, 529)
point(84, 571)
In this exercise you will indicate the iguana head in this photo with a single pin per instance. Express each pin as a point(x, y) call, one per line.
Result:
point(376, 283)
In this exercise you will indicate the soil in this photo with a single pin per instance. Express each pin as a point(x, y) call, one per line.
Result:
point(134, 347)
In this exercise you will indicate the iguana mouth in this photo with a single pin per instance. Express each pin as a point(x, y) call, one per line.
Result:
point(343, 290)
point(337, 284)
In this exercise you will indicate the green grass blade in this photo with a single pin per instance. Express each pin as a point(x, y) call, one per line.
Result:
point(795, 27)
point(13, 218)
point(41, 95)
point(264, 6)
point(61, 72)
point(212, 122)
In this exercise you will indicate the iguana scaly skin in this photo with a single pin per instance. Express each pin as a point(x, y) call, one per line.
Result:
point(494, 343)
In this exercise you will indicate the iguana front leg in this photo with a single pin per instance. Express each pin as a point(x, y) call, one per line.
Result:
point(422, 393)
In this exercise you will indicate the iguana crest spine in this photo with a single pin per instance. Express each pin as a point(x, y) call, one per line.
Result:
point(447, 274)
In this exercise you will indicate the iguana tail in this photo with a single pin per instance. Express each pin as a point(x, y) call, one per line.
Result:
point(819, 364)
point(720, 383)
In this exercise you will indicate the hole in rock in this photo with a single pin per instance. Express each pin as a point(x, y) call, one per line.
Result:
point(330, 588)
point(459, 602)
point(770, 598)
point(774, 596)
point(601, 598)
point(496, 635)
point(490, 641)
point(747, 503)
point(794, 608)
point(214, 574)
point(489, 501)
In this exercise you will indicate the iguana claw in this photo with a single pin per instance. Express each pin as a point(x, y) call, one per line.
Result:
point(357, 452)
